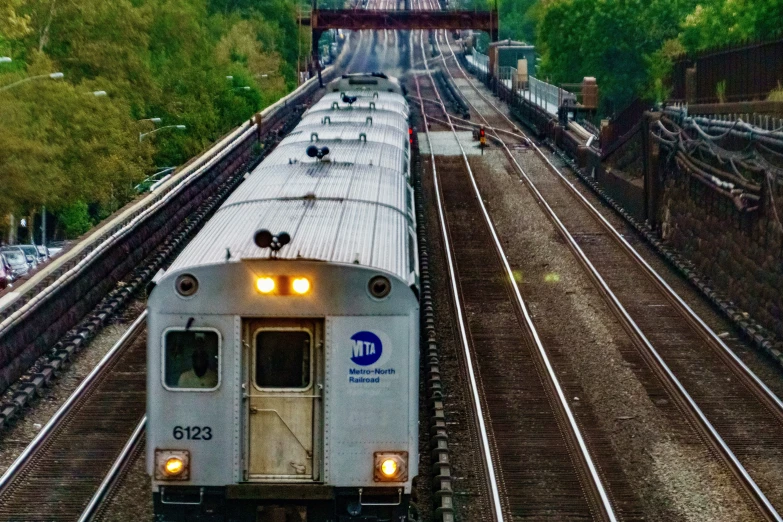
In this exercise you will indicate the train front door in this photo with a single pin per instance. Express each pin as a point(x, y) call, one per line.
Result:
point(283, 392)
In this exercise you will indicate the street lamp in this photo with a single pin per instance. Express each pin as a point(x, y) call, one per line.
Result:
point(5, 59)
point(142, 134)
point(229, 78)
point(97, 94)
point(53, 76)
point(244, 88)
point(153, 120)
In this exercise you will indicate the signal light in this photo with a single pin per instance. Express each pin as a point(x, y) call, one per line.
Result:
point(301, 285)
point(265, 285)
point(482, 133)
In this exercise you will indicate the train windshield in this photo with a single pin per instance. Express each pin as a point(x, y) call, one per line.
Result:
point(283, 359)
point(191, 359)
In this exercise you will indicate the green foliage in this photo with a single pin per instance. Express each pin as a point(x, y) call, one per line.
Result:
point(75, 219)
point(777, 94)
point(630, 45)
point(155, 58)
point(720, 22)
point(615, 41)
point(720, 91)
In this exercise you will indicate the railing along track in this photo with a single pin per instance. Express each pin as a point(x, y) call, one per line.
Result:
point(739, 417)
point(537, 462)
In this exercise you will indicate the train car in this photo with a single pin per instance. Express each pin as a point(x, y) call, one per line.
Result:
point(372, 82)
point(283, 343)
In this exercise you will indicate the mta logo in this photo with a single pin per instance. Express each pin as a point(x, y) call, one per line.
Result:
point(366, 348)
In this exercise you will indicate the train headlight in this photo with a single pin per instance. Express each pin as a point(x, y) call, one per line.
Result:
point(265, 285)
point(301, 285)
point(391, 466)
point(172, 464)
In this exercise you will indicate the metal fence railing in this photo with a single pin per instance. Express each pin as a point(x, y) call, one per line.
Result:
point(546, 94)
point(736, 73)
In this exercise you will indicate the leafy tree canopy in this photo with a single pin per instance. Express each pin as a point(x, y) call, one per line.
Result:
point(205, 64)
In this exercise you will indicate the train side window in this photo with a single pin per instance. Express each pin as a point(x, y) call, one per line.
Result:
point(283, 359)
point(191, 359)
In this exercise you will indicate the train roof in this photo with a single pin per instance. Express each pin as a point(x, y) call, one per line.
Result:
point(335, 213)
point(355, 206)
point(389, 102)
point(342, 151)
point(359, 117)
point(317, 132)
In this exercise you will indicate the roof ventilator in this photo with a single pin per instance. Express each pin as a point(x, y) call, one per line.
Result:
point(372, 106)
point(326, 121)
point(313, 137)
point(369, 120)
point(363, 137)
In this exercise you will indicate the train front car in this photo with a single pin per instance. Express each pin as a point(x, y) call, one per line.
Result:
point(283, 369)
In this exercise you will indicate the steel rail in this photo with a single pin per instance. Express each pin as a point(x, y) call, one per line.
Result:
point(759, 499)
point(485, 444)
point(62, 413)
point(709, 335)
point(605, 504)
point(110, 481)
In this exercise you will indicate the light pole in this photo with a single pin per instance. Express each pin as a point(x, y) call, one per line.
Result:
point(97, 94)
point(53, 76)
point(243, 88)
point(142, 134)
point(153, 120)
point(5, 59)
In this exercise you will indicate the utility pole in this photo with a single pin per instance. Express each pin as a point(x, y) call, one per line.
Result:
point(12, 229)
point(43, 226)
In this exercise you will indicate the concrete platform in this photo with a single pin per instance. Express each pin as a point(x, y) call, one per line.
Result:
point(444, 144)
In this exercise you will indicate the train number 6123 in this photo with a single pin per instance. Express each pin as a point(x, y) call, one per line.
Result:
point(193, 432)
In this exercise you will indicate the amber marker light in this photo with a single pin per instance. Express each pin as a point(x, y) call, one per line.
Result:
point(265, 285)
point(301, 285)
point(389, 468)
point(174, 466)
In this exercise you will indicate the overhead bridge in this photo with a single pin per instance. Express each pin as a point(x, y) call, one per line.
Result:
point(363, 19)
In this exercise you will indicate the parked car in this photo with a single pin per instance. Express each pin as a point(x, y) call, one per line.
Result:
point(31, 252)
point(16, 257)
point(43, 253)
point(5, 273)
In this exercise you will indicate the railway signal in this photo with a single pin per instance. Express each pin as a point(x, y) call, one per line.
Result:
point(482, 139)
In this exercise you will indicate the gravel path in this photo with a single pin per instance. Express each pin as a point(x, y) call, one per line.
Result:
point(670, 470)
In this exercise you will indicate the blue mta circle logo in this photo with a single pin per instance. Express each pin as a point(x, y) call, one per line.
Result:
point(366, 348)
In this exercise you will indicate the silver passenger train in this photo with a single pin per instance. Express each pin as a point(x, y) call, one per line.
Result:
point(283, 343)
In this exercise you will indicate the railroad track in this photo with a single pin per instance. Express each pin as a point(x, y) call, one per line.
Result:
point(734, 412)
point(537, 463)
point(57, 475)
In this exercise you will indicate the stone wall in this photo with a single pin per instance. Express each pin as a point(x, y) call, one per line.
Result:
point(741, 252)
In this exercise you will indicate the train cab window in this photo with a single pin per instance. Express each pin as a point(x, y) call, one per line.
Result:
point(283, 359)
point(191, 359)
